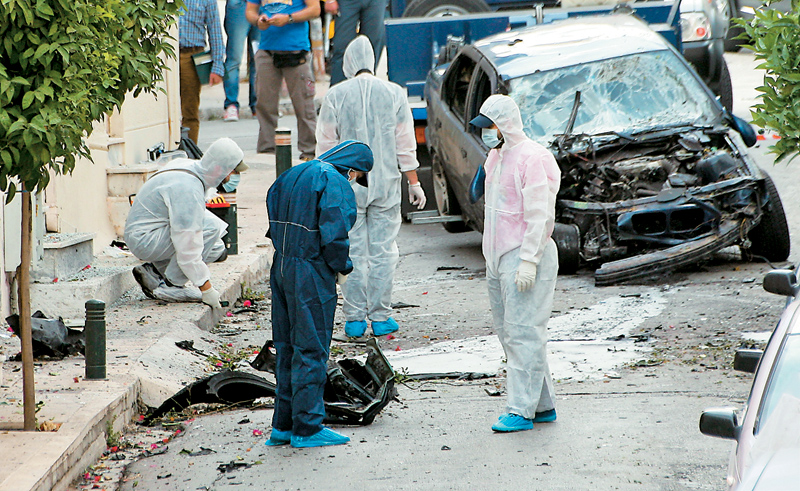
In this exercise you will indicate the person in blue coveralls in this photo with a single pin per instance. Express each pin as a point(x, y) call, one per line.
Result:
point(311, 208)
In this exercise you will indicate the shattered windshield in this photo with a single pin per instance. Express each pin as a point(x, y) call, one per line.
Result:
point(625, 94)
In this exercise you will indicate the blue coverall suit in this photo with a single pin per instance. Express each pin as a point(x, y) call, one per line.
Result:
point(311, 209)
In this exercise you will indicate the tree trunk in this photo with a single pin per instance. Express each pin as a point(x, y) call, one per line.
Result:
point(24, 302)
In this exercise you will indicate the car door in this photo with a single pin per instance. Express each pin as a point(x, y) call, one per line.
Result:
point(473, 151)
point(447, 121)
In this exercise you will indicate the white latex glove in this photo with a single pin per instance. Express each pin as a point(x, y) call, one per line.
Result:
point(210, 297)
point(526, 276)
point(340, 278)
point(416, 196)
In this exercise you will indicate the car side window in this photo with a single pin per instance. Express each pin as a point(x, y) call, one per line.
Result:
point(456, 85)
point(482, 91)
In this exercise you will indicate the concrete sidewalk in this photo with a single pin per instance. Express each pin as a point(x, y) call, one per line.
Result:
point(143, 363)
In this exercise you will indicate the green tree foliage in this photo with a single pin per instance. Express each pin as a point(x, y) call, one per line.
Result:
point(65, 64)
point(775, 40)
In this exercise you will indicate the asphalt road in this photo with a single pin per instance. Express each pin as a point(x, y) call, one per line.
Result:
point(628, 410)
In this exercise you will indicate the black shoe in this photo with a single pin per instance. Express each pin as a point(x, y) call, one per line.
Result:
point(146, 280)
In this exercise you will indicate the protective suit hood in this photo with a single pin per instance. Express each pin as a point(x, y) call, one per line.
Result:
point(347, 155)
point(220, 159)
point(503, 112)
point(358, 56)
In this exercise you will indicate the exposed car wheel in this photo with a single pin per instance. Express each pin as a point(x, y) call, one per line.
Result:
point(444, 8)
point(770, 238)
point(446, 201)
point(726, 88)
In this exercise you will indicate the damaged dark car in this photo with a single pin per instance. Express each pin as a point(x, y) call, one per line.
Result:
point(655, 172)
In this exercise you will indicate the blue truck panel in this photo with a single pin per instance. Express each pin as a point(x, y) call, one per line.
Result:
point(412, 44)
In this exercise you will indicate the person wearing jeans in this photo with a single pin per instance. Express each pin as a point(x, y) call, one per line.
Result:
point(355, 17)
point(238, 31)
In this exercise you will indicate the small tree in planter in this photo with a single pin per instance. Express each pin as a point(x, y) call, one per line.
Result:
point(65, 64)
point(775, 39)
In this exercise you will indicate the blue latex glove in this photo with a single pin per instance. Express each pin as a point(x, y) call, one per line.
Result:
point(478, 185)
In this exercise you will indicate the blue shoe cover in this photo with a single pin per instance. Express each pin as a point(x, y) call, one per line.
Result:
point(545, 416)
point(382, 328)
point(278, 437)
point(322, 438)
point(355, 329)
point(512, 422)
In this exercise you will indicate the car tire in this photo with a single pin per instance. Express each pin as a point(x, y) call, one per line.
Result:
point(446, 201)
point(770, 238)
point(441, 8)
point(726, 88)
point(731, 43)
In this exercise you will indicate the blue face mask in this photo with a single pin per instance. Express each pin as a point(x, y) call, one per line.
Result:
point(489, 137)
point(232, 183)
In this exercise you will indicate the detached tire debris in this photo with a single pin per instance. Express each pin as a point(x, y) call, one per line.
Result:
point(355, 392)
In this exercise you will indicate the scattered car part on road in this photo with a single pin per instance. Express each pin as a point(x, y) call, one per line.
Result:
point(355, 392)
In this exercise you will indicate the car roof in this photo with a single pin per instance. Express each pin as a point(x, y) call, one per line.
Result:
point(568, 42)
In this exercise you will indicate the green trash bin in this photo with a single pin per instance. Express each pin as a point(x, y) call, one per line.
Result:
point(227, 212)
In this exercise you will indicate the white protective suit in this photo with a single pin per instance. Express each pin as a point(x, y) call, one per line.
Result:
point(169, 225)
point(522, 180)
point(376, 112)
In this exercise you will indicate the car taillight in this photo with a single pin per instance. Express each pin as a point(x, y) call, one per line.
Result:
point(695, 26)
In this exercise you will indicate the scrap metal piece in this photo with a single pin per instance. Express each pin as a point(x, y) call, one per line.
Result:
point(354, 394)
point(266, 359)
point(227, 387)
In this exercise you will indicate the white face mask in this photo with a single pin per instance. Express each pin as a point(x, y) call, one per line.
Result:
point(232, 184)
point(489, 137)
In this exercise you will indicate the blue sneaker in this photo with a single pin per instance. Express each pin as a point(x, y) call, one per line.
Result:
point(322, 438)
point(278, 437)
point(382, 328)
point(355, 329)
point(545, 416)
point(512, 422)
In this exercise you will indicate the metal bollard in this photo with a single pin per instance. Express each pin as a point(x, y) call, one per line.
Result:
point(283, 150)
point(95, 332)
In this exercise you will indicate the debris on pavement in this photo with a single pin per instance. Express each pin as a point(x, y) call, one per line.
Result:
point(188, 345)
point(51, 337)
point(202, 451)
point(137, 443)
point(266, 359)
point(450, 375)
point(226, 387)
point(403, 305)
point(233, 465)
point(355, 392)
